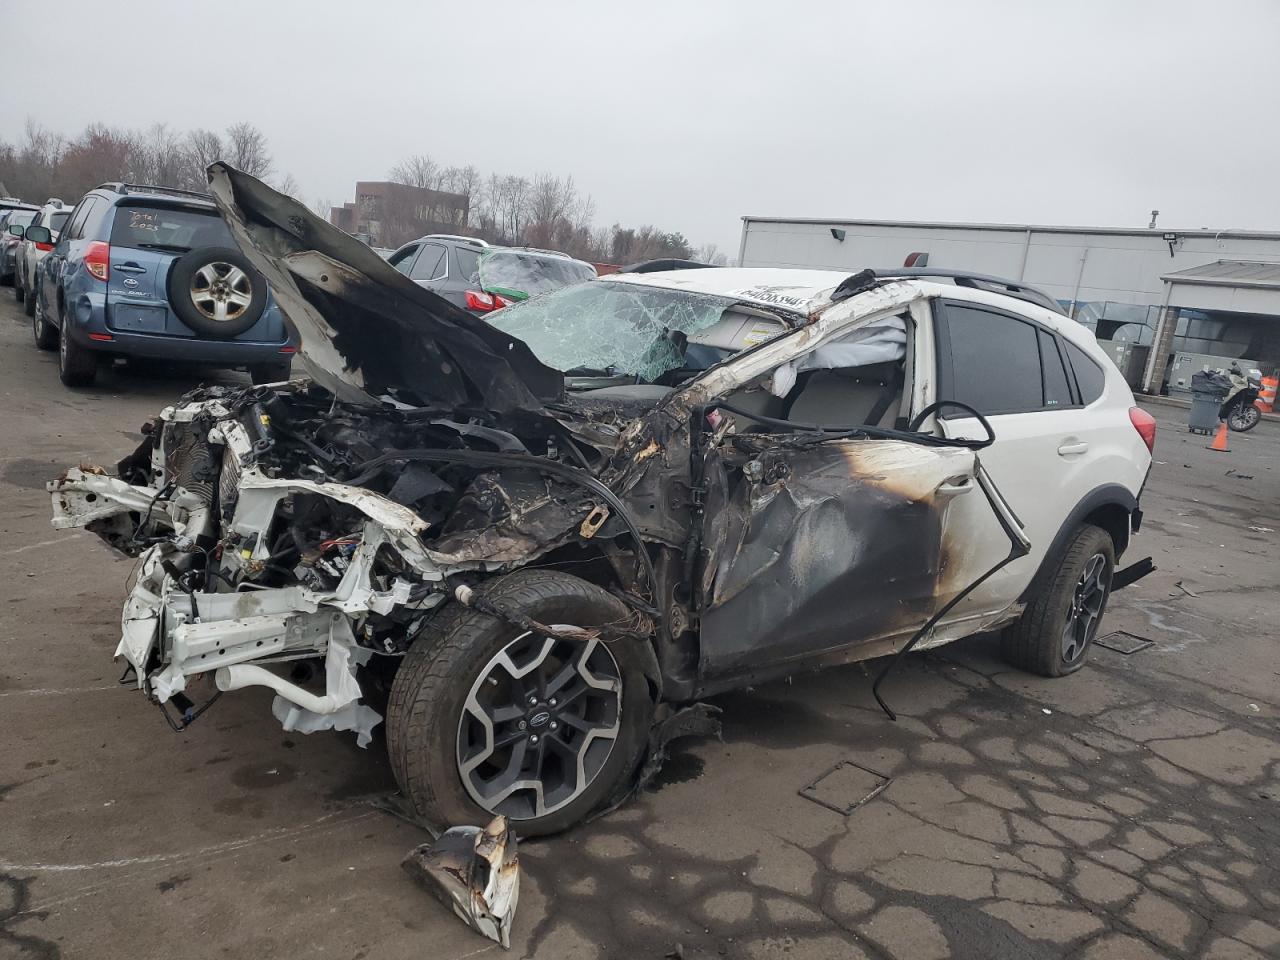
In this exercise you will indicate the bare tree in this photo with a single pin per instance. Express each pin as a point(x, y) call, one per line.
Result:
point(710, 253)
point(418, 170)
point(246, 149)
point(287, 185)
point(322, 208)
point(98, 155)
point(159, 157)
point(202, 148)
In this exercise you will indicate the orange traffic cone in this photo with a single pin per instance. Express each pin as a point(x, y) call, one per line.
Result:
point(1220, 440)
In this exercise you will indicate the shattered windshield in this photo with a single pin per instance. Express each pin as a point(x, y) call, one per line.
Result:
point(612, 327)
point(520, 274)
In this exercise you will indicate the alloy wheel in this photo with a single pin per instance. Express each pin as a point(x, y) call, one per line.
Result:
point(221, 291)
point(1243, 416)
point(539, 724)
point(1087, 601)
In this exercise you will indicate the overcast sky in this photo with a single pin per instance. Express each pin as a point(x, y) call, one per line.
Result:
point(689, 115)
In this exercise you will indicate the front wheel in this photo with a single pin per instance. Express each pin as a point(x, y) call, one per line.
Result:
point(488, 718)
point(1244, 416)
point(1062, 618)
point(28, 299)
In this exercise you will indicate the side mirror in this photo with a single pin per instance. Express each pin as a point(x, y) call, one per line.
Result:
point(16, 230)
point(38, 235)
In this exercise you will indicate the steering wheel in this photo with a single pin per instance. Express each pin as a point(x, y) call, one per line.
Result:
point(937, 405)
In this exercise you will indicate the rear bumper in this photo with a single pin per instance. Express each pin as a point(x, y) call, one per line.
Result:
point(228, 352)
point(87, 328)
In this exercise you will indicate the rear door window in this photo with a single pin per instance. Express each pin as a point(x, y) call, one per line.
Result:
point(988, 360)
point(432, 263)
point(179, 229)
point(402, 259)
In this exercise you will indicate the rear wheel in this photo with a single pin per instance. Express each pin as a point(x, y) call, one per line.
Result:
point(28, 299)
point(19, 293)
point(1061, 621)
point(487, 718)
point(77, 367)
point(46, 336)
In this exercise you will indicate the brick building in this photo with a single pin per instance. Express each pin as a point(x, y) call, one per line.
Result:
point(389, 214)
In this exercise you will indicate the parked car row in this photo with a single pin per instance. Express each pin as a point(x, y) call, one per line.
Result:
point(134, 271)
point(481, 278)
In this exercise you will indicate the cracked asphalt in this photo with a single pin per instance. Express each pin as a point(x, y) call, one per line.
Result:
point(1128, 811)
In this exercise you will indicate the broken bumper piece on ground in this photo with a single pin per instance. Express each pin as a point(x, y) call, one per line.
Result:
point(475, 871)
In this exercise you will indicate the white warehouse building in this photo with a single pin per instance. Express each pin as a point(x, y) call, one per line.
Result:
point(1163, 302)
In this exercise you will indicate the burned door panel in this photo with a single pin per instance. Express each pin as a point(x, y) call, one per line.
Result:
point(824, 545)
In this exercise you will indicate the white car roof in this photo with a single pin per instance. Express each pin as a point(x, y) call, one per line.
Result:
point(797, 291)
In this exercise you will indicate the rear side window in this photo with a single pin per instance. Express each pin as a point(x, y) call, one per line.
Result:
point(431, 263)
point(1089, 375)
point(77, 219)
point(990, 361)
point(1057, 385)
point(468, 263)
point(168, 228)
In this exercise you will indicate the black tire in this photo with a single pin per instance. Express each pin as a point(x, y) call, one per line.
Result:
point(1039, 641)
point(46, 335)
point(29, 298)
point(1243, 417)
point(19, 293)
point(195, 298)
point(77, 367)
point(270, 372)
point(426, 711)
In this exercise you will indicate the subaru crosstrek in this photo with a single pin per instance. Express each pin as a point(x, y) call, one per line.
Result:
point(533, 545)
point(151, 272)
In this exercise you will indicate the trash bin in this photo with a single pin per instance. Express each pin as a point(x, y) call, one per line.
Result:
point(1208, 389)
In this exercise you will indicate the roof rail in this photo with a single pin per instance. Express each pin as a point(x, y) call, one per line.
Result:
point(128, 188)
point(967, 278)
point(455, 236)
point(663, 264)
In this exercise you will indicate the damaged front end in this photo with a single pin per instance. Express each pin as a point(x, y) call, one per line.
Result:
point(276, 524)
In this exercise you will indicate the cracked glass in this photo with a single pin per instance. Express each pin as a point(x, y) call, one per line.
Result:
point(612, 328)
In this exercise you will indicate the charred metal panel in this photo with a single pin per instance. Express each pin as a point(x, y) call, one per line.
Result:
point(366, 329)
point(824, 545)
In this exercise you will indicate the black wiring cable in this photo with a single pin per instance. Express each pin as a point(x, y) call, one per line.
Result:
point(483, 458)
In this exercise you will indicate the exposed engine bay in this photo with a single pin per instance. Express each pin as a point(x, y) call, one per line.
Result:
point(277, 524)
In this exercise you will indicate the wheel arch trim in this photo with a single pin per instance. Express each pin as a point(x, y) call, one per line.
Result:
point(1111, 506)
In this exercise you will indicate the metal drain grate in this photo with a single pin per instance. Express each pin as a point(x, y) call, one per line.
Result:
point(846, 787)
point(1122, 642)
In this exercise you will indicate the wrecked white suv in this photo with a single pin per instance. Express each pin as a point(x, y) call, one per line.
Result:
point(531, 546)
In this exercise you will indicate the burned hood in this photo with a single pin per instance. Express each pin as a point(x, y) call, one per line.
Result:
point(366, 330)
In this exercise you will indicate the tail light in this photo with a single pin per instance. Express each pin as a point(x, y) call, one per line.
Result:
point(96, 256)
point(480, 302)
point(44, 247)
point(500, 301)
point(1145, 424)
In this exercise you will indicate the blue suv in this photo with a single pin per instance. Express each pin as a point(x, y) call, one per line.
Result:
point(152, 272)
